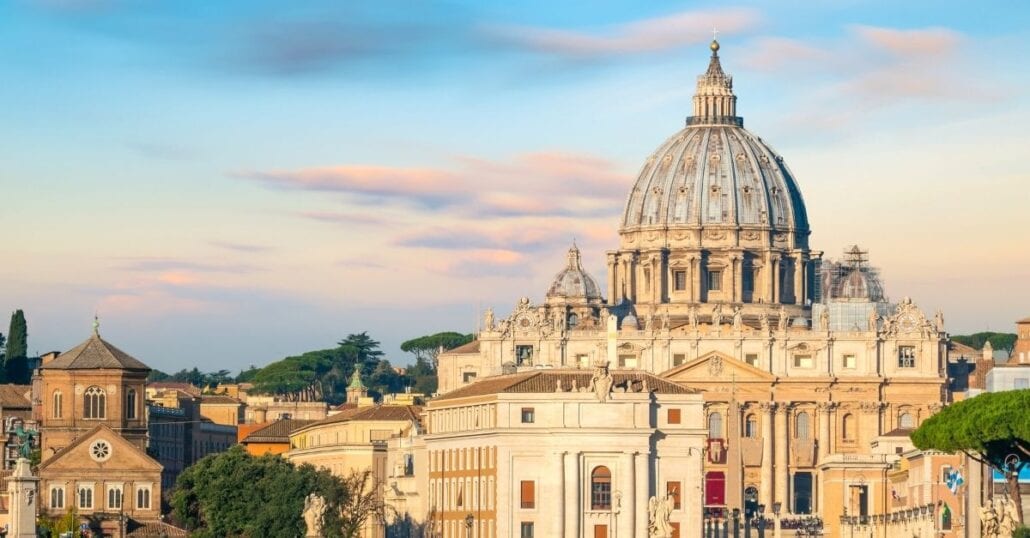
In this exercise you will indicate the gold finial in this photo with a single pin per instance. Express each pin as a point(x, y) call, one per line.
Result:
point(715, 42)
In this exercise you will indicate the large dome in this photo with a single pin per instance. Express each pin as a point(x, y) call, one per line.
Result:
point(715, 173)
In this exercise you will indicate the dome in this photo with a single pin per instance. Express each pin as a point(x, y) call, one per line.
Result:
point(854, 280)
point(715, 173)
point(574, 282)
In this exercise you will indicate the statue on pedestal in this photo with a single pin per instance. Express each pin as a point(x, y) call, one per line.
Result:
point(659, 509)
point(601, 382)
point(314, 512)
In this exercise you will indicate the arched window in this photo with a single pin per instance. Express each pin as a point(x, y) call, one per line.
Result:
point(907, 421)
point(801, 426)
point(86, 497)
point(715, 425)
point(114, 498)
point(56, 497)
point(573, 320)
point(94, 403)
point(751, 427)
point(848, 427)
point(143, 498)
point(130, 404)
point(600, 488)
point(58, 404)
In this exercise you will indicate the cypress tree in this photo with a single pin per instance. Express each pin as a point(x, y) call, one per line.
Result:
point(16, 359)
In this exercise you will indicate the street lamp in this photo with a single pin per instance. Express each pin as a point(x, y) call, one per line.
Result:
point(469, 519)
point(761, 521)
point(776, 522)
point(736, 523)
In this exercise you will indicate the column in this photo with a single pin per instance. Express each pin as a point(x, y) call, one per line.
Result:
point(573, 488)
point(774, 277)
point(782, 473)
point(738, 282)
point(765, 493)
point(627, 487)
point(558, 524)
point(824, 430)
point(642, 462)
point(798, 283)
point(613, 282)
point(695, 279)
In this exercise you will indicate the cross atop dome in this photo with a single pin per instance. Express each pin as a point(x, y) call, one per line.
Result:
point(714, 101)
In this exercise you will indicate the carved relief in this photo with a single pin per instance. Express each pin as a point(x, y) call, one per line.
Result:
point(715, 366)
point(715, 235)
point(750, 235)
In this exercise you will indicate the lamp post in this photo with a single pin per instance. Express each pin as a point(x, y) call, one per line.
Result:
point(761, 521)
point(776, 520)
point(469, 519)
point(736, 523)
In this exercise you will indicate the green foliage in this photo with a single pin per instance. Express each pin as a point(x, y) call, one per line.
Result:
point(423, 377)
point(1002, 341)
point(69, 522)
point(202, 380)
point(16, 368)
point(246, 376)
point(234, 494)
point(991, 425)
point(157, 375)
point(428, 347)
point(1021, 532)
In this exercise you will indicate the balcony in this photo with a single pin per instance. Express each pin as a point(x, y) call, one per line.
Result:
point(802, 453)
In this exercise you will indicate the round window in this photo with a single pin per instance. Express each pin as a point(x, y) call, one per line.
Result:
point(100, 450)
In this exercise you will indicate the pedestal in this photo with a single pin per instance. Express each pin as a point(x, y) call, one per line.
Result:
point(23, 494)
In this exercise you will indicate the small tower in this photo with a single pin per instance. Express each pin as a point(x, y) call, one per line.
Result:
point(22, 492)
point(356, 390)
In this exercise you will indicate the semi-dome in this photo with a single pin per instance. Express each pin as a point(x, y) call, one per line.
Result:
point(573, 282)
point(715, 173)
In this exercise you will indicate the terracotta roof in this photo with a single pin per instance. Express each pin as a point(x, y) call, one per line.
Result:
point(95, 353)
point(958, 347)
point(276, 432)
point(546, 381)
point(377, 412)
point(1024, 320)
point(218, 399)
point(153, 529)
point(471, 347)
point(13, 396)
point(899, 432)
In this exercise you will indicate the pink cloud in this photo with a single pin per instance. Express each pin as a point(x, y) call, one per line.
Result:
point(644, 36)
point(771, 54)
point(910, 43)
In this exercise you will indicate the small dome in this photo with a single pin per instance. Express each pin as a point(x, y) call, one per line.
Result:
point(859, 284)
point(574, 282)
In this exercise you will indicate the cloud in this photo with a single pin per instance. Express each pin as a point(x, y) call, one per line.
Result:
point(918, 43)
point(480, 263)
point(162, 265)
point(542, 183)
point(240, 247)
point(634, 38)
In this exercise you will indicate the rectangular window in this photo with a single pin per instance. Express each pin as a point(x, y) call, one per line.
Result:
point(528, 415)
point(647, 280)
point(674, 416)
point(714, 280)
point(468, 377)
point(748, 280)
point(627, 361)
point(906, 357)
point(528, 494)
point(673, 489)
point(678, 359)
point(582, 360)
point(524, 355)
point(679, 279)
point(526, 530)
point(802, 361)
point(751, 358)
point(849, 361)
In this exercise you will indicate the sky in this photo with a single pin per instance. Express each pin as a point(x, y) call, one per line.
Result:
point(229, 183)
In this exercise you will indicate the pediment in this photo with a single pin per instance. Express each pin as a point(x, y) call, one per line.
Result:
point(121, 454)
point(715, 366)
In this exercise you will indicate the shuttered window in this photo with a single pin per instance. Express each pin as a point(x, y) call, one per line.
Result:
point(528, 494)
point(674, 416)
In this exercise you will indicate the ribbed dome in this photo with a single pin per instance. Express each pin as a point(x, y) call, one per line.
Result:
point(714, 172)
point(573, 281)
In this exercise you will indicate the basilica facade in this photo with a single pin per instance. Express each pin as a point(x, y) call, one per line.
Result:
point(808, 371)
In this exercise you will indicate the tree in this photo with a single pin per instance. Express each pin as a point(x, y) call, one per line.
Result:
point(235, 494)
point(16, 357)
point(428, 347)
point(1000, 341)
point(363, 502)
point(992, 428)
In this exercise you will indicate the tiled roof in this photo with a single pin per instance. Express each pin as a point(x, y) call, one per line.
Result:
point(95, 353)
point(377, 412)
point(957, 347)
point(13, 396)
point(276, 432)
point(153, 529)
point(175, 385)
point(546, 381)
point(471, 347)
point(899, 432)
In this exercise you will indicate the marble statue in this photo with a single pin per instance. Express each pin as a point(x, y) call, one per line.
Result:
point(601, 382)
point(782, 322)
point(692, 314)
point(874, 320)
point(824, 320)
point(717, 316)
point(659, 509)
point(989, 520)
point(314, 512)
point(738, 319)
point(488, 319)
point(763, 321)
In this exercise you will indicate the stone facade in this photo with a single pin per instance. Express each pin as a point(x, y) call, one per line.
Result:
point(803, 361)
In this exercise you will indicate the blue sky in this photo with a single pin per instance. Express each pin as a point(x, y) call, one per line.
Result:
point(231, 182)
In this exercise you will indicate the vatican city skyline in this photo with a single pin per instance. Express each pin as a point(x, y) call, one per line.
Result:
point(240, 183)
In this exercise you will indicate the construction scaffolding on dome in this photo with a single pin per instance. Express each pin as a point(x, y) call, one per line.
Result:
point(850, 290)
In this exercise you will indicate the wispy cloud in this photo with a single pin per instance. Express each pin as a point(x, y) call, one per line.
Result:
point(633, 38)
point(240, 247)
point(161, 265)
